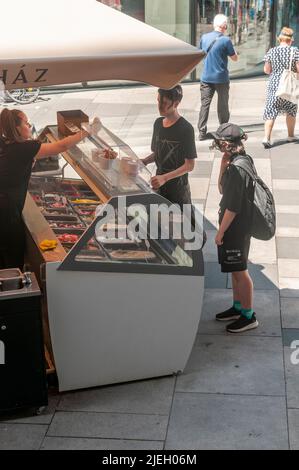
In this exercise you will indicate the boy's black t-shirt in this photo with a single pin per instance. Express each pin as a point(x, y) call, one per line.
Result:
point(172, 146)
point(237, 191)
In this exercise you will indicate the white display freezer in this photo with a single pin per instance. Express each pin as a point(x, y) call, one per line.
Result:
point(124, 305)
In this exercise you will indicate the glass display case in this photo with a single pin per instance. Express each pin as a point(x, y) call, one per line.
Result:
point(139, 233)
point(108, 162)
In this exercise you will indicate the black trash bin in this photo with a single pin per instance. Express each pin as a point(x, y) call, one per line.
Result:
point(22, 365)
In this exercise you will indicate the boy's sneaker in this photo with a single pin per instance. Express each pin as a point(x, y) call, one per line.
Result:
point(230, 314)
point(243, 324)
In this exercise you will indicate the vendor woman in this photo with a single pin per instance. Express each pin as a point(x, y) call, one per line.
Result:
point(18, 152)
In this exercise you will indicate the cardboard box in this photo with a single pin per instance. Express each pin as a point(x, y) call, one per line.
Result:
point(69, 122)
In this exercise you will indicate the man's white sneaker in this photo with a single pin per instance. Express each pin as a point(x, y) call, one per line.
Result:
point(292, 139)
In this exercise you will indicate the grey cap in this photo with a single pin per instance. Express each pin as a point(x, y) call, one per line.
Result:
point(229, 132)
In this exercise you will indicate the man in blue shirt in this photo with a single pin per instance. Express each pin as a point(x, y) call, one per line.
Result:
point(215, 76)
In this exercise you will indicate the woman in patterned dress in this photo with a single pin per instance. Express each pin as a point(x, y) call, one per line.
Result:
point(277, 60)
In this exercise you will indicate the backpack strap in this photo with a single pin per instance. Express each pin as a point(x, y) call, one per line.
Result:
point(291, 59)
point(245, 162)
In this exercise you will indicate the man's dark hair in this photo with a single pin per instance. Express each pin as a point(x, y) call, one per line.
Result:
point(174, 94)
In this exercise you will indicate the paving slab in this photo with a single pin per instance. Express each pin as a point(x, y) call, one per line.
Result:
point(286, 209)
point(291, 357)
point(292, 184)
point(210, 226)
point(199, 187)
point(144, 397)
point(221, 422)
point(290, 313)
point(285, 166)
point(287, 247)
point(234, 364)
point(290, 336)
point(286, 197)
point(213, 198)
point(287, 232)
point(289, 287)
point(21, 436)
point(287, 220)
point(210, 248)
point(63, 443)
point(263, 251)
point(202, 169)
point(294, 429)
point(108, 425)
point(288, 267)
point(214, 278)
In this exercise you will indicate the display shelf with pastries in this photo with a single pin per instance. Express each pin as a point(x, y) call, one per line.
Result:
point(59, 208)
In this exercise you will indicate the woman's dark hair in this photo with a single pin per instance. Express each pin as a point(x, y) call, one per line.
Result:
point(174, 94)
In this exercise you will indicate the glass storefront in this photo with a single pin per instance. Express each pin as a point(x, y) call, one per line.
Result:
point(249, 24)
point(170, 16)
point(288, 15)
point(248, 28)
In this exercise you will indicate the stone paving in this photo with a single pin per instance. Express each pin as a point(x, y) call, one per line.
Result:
point(237, 392)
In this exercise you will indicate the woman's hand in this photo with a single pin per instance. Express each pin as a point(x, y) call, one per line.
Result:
point(158, 181)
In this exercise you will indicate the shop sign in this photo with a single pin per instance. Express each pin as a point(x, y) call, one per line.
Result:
point(24, 76)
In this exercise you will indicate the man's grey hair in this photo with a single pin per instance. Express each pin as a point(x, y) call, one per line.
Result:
point(219, 21)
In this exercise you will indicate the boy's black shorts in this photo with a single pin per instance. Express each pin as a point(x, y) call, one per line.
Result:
point(233, 254)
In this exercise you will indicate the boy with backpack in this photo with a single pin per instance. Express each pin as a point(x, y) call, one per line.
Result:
point(246, 209)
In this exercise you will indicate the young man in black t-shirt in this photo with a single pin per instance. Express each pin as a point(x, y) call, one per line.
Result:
point(173, 149)
point(233, 237)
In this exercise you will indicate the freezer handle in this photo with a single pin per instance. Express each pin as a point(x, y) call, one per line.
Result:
point(42, 273)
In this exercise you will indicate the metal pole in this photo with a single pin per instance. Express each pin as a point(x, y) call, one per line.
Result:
point(193, 22)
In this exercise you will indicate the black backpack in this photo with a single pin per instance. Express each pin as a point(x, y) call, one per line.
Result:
point(261, 200)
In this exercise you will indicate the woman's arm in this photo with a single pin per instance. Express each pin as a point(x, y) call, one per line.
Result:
point(46, 150)
point(268, 68)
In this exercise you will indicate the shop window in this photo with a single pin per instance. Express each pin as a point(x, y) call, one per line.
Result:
point(248, 28)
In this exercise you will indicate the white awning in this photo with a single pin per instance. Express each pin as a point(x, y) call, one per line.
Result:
point(68, 41)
